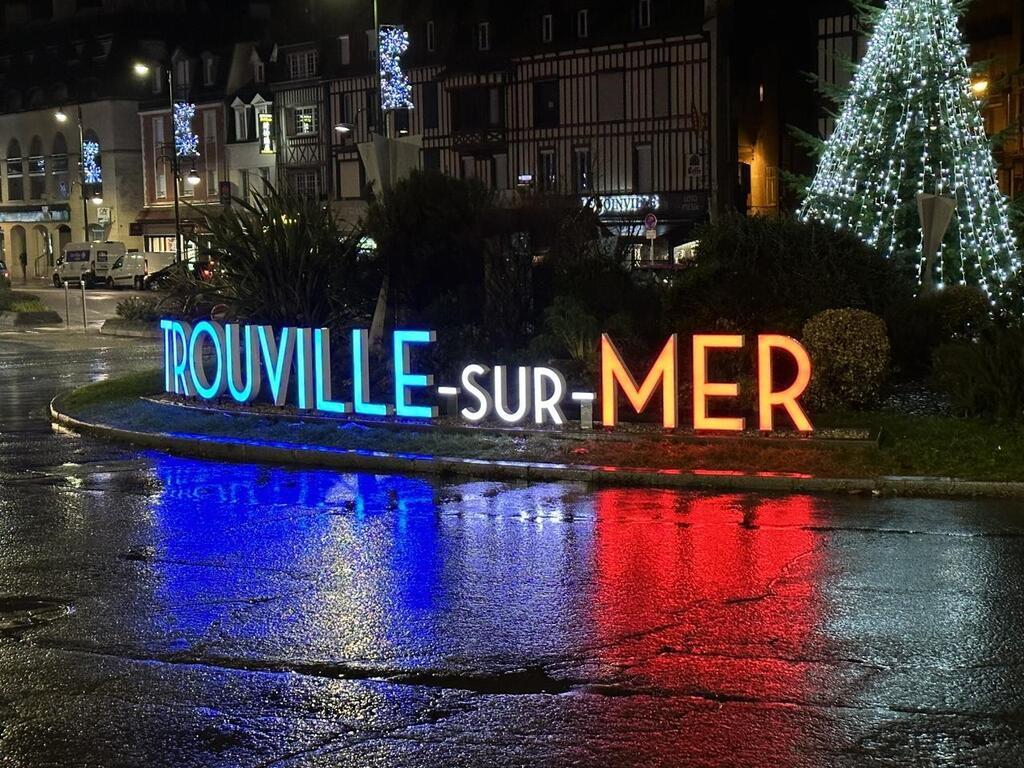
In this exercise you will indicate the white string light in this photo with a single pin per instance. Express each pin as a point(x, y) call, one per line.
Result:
point(911, 124)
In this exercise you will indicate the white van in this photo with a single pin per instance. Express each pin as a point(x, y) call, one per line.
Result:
point(134, 269)
point(88, 263)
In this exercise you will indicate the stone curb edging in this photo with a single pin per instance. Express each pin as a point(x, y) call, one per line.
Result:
point(227, 449)
point(129, 329)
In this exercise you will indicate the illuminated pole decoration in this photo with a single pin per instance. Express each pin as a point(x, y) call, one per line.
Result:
point(395, 88)
point(912, 125)
point(91, 162)
point(186, 143)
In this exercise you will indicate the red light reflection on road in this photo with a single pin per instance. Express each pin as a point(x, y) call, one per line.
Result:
point(708, 596)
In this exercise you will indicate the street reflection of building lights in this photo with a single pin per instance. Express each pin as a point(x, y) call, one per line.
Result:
point(193, 178)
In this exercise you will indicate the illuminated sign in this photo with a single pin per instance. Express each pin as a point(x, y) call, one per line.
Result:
point(293, 365)
point(624, 203)
point(266, 125)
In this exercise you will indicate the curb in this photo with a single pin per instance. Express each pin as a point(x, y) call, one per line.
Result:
point(29, 319)
point(241, 451)
point(129, 329)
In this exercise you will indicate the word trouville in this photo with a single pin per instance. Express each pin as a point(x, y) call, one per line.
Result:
point(210, 360)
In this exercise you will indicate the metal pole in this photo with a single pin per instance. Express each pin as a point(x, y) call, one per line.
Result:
point(81, 169)
point(67, 305)
point(175, 166)
point(85, 324)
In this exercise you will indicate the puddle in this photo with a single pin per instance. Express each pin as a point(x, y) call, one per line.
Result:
point(18, 614)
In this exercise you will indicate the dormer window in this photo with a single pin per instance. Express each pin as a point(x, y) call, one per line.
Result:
point(583, 24)
point(547, 28)
point(345, 50)
point(303, 64)
point(182, 74)
point(242, 120)
point(431, 37)
point(483, 36)
point(644, 14)
point(259, 71)
point(209, 70)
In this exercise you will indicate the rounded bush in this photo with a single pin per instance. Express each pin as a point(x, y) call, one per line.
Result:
point(849, 349)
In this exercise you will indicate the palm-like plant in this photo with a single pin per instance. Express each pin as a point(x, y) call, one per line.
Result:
point(282, 259)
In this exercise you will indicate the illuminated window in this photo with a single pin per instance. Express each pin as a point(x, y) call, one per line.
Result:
point(210, 151)
point(582, 171)
point(15, 171)
point(345, 50)
point(36, 169)
point(306, 120)
point(159, 174)
point(59, 168)
point(209, 70)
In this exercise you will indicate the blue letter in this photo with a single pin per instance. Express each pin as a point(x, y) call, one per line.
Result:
point(249, 371)
point(361, 376)
point(277, 358)
point(181, 381)
point(304, 368)
point(204, 388)
point(166, 326)
point(322, 353)
point(404, 381)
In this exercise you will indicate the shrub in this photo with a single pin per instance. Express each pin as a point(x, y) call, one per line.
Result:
point(930, 320)
point(849, 350)
point(984, 377)
point(139, 309)
point(284, 260)
point(776, 273)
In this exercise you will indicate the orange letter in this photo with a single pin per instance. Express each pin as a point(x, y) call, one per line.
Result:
point(664, 370)
point(703, 389)
point(787, 398)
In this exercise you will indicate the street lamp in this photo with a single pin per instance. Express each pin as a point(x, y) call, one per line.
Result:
point(193, 179)
point(142, 70)
point(62, 117)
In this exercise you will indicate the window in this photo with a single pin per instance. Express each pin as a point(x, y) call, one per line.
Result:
point(259, 71)
point(483, 36)
point(545, 104)
point(244, 191)
point(242, 122)
point(210, 158)
point(15, 171)
point(306, 121)
point(209, 70)
point(643, 179)
point(159, 174)
point(840, 39)
point(432, 159)
point(644, 14)
point(306, 184)
point(431, 37)
point(36, 169)
point(611, 96)
point(547, 28)
point(583, 23)
point(581, 169)
point(499, 172)
point(158, 79)
point(661, 95)
point(59, 168)
point(182, 74)
point(431, 99)
point(548, 171)
point(371, 45)
point(478, 108)
point(345, 50)
point(303, 64)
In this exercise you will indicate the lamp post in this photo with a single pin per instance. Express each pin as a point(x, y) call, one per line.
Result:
point(62, 117)
point(141, 70)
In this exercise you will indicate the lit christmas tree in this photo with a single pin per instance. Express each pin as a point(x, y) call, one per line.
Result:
point(911, 124)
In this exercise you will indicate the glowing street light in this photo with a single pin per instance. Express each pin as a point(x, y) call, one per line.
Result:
point(980, 87)
point(193, 179)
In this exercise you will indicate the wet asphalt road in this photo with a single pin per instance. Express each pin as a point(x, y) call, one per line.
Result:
point(158, 611)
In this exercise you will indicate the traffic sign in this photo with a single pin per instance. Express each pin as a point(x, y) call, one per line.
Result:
point(651, 221)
